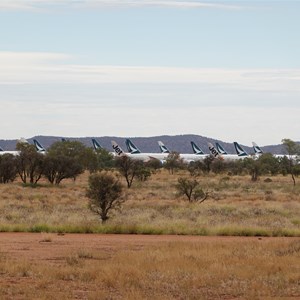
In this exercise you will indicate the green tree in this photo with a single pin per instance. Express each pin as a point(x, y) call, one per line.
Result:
point(191, 189)
point(174, 162)
point(29, 163)
point(208, 160)
point(74, 149)
point(105, 160)
point(292, 150)
point(269, 164)
point(129, 168)
point(218, 166)
point(253, 167)
point(57, 168)
point(196, 168)
point(104, 192)
point(8, 169)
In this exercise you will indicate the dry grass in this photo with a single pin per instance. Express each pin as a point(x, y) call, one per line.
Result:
point(208, 269)
point(236, 207)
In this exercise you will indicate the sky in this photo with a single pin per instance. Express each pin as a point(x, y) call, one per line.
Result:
point(228, 70)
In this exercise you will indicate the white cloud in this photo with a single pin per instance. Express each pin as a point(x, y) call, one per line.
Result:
point(37, 5)
point(41, 68)
point(53, 97)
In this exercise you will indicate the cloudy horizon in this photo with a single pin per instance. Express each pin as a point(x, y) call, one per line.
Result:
point(228, 70)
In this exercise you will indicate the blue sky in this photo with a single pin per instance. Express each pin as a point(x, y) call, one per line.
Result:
point(223, 69)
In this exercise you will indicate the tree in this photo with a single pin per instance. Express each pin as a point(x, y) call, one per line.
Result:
point(253, 167)
point(104, 192)
point(269, 164)
point(191, 189)
point(74, 149)
point(208, 162)
point(218, 166)
point(105, 160)
point(173, 162)
point(143, 172)
point(8, 169)
point(67, 160)
point(196, 168)
point(128, 168)
point(29, 163)
point(292, 149)
point(57, 168)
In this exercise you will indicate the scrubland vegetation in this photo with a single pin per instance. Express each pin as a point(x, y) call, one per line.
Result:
point(235, 206)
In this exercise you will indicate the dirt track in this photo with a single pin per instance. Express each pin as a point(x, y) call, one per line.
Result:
point(42, 246)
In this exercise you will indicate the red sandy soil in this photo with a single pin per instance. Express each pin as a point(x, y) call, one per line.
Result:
point(51, 250)
point(41, 246)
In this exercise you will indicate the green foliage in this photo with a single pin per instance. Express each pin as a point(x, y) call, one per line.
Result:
point(75, 150)
point(191, 189)
point(104, 192)
point(292, 149)
point(143, 172)
point(253, 167)
point(129, 168)
point(269, 164)
point(196, 168)
point(57, 168)
point(8, 170)
point(174, 162)
point(104, 159)
point(218, 166)
point(29, 163)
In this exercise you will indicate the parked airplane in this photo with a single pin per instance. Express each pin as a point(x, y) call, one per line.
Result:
point(187, 157)
point(163, 148)
point(239, 150)
point(257, 149)
point(138, 156)
point(13, 152)
point(213, 151)
point(9, 152)
point(196, 149)
point(39, 148)
point(228, 157)
point(131, 147)
point(96, 144)
point(220, 149)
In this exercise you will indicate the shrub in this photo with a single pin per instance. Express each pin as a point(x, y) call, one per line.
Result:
point(104, 192)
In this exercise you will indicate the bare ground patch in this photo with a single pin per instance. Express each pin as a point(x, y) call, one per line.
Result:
point(92, 266)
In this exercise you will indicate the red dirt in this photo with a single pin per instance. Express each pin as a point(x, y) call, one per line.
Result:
point(41, 246)
point(52, 249)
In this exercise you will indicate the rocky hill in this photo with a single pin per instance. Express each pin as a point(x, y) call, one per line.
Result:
point(179, 143)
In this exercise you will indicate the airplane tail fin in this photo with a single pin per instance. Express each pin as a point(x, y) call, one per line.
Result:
point(197, 150)
point(257, 149)
point(132, 147)
point(239, 150)
point(220, 149)
point(96, 144)
point(38, 146)
point(213, 151)
point(163, 148)
point(118, 150)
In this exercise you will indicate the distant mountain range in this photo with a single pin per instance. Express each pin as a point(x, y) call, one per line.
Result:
point(179, 143)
